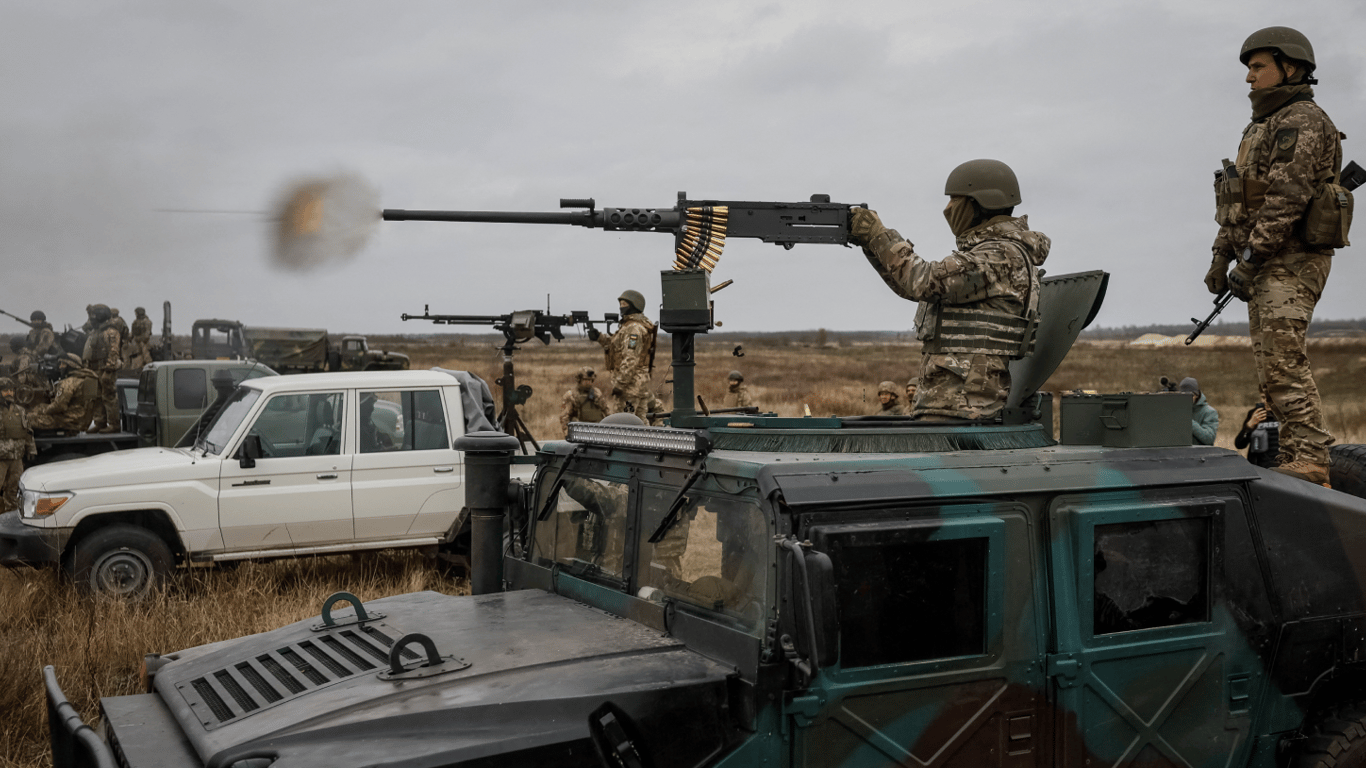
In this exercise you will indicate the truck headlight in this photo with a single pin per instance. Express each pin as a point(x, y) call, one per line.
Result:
point(38, 504)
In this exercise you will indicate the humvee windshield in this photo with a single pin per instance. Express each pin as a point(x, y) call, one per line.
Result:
point(715, 555)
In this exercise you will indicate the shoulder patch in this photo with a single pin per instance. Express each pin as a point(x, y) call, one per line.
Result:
point(1286, 137)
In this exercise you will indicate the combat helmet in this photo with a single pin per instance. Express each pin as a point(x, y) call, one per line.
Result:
point(990, 182)
point(736, 376)
point(38, 316)
point(585, 373)
point(100, 313)
point(889, 387)
point(634, 298)
point(1290, 43)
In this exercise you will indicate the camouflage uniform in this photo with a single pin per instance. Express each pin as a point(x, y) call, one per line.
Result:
point(1287, 152)
point(994, 268)
point(737, 395)
point(579, 404)
point(42, 340)
point(891, 407)
point(16, 442)
point(73, 404)
point(630, 356)
point(140, 353)
point(122, 326)
point(102, 355)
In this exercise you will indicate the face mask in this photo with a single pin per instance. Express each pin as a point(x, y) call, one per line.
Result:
point(959, 213)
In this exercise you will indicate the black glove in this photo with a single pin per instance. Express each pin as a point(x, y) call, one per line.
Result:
point(593, 334)
point(1240, 280)
point(1216, 279)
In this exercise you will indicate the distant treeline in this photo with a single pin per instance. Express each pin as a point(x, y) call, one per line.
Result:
point(1317, 328)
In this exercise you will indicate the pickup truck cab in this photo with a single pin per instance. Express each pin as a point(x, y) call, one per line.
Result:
point(290, 466)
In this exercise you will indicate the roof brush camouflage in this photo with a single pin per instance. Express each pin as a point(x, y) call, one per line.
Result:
point(919, 439)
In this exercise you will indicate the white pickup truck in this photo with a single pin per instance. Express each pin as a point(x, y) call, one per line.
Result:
point(292, 465)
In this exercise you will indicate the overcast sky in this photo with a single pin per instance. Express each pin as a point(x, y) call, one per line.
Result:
point(1113, 114)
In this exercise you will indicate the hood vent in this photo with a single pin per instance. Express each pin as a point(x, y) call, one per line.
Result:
point(229, 694)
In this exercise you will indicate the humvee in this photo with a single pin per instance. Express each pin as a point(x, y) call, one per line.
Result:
point(758, 590)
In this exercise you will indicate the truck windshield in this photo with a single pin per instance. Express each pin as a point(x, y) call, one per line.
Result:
point(225, 424)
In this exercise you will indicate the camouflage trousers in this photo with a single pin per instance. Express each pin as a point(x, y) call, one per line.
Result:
point(10, 470)
point(631, 402)
point(1284, 293)
point(962, 386)
point(106, 408)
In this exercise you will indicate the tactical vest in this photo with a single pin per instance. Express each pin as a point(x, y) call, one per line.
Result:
point(980, 331)
point(12, 423)
point(590, 411)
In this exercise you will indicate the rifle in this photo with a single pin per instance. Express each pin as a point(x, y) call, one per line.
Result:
point(699, 227)
point(1220, 302)
point(16, 317)
point(518, 328)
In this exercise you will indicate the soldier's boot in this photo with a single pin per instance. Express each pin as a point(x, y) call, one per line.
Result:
point(1305, 470)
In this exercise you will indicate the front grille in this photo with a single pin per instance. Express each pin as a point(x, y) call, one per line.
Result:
point(227, 695)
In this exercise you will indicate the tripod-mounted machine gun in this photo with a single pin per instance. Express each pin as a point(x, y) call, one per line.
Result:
point(517, 329)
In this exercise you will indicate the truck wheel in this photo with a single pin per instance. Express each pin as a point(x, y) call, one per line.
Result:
point(120, 561)
point(1347, 469)
point(1336, 741)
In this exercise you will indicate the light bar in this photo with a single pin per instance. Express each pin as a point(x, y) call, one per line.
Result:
point(687, 442)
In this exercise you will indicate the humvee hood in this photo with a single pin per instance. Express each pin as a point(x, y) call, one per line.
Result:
point(309, 697)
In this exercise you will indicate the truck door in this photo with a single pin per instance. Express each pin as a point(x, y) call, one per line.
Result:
point(1150, 669)
point(299, 492)
point(940, 644)
point(406, 478)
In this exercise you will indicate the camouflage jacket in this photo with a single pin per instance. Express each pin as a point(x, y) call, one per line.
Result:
point(121, 326)
point(1283, 158)
point(142, 329)
point(42, 340)
point(16, 439)
point(73, 403)
point(890, 409)
point(994, 268)
point(630, 355)
point(738, 397)
point(102, 349)
point(578, 405)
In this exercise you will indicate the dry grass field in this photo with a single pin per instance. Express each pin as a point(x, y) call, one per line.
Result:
point(97, 647)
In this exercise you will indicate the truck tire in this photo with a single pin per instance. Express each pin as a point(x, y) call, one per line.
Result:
point(1347, 469)
point(120, 561)
point(1336, 741)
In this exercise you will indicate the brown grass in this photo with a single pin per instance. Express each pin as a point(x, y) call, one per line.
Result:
point(98, 646)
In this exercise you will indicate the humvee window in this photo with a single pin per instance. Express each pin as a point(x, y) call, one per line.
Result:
point(714, 556)
point(1151, 574)
point(586, 532)
point(902, 601)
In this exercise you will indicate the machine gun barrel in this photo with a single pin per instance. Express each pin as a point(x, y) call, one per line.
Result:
point(1220, 302)
point(16, 317)
point(575, 218)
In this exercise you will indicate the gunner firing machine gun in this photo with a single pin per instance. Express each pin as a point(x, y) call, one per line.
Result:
point(517, 329)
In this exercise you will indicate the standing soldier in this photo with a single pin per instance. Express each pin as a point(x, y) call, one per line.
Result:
point(102, 355)
point(140, 352)
point(122, 326)
point(737, 394)
point(74, 401)
point(630, 354)
point(41, 339)
point(584, 402)
point(1272, 222)
point(886, 399)
point(16, 443)
point(979, 305)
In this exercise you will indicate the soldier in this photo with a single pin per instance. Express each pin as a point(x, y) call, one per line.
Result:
point(1289, 152)
point(584, 402)
point(73, 403)
point(978, 306)
point(16, 443)
point(140, 350)
point(122, 326)
point(737, 394)
point(41, 339)
point(887, 404)
point(630, 354)
point(102, 355)
point(90, 325)
point(911, 387)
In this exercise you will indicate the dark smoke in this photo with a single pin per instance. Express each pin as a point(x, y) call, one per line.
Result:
point(324, 221)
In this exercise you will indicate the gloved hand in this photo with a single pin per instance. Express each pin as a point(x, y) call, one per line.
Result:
point(1216, 279)
point(593, 334)
point(864, 225)
point(1240, 280)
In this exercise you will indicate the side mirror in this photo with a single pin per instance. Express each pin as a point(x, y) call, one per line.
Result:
point(815, 634)
point(249, 452)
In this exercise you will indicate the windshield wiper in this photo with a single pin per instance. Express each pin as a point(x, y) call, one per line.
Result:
point(554, 492)
point(676, 506)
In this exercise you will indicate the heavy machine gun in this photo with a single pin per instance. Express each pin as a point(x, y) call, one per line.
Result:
point(16, 317)
point(699, 227)
point(517, 329)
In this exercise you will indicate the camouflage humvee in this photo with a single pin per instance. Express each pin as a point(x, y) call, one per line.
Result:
point(756, 590)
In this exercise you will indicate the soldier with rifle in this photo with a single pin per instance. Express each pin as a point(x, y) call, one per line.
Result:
point(630, 354)
point(979, 305)
point(74, 401)
point(1281, 209)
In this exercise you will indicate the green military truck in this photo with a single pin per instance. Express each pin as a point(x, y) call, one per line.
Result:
point(756, 590)
point(290, 350)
